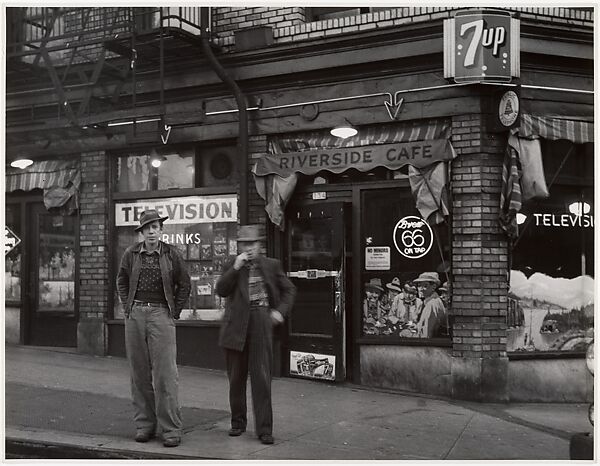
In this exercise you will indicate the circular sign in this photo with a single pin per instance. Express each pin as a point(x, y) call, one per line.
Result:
point(413, 237)
point(508, 109)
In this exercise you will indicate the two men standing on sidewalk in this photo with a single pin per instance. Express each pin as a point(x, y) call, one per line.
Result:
point(153, 285)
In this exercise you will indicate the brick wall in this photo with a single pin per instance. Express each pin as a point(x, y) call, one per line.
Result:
point(479, 247)
point(231, 18)
point(93, 262)
point(257, 145)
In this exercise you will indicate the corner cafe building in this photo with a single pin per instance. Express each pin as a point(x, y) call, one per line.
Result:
point(427, 185)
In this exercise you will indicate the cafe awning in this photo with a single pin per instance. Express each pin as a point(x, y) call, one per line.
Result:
point(421, 144)
point(60, 180)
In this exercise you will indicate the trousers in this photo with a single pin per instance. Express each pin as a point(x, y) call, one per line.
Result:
point(152, 354)
point(256, 358)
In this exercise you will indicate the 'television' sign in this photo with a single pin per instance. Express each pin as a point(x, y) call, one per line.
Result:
point(482, 45)
point(180, 210)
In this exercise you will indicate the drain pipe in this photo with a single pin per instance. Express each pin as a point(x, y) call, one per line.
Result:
point(240, 98)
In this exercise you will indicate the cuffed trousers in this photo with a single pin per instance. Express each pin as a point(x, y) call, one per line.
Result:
point(152, 352)
point(257, 359)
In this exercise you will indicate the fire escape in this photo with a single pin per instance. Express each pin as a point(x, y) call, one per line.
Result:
point(93, 60)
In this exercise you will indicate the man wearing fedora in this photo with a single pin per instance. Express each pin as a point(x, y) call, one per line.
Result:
point(433, 314)
point(259, 295)
point(153, 285)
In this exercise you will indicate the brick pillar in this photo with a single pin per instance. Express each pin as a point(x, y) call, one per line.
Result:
point(257, 145)
point(480, 264)
point(93, 262)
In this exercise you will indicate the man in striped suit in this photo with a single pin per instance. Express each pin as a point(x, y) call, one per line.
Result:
point(259, 295)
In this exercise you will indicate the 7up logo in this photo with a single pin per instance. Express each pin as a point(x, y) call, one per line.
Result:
point(491, 38)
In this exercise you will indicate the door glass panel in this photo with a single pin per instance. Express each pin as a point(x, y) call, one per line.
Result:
point(311, 251)
point(56, 273)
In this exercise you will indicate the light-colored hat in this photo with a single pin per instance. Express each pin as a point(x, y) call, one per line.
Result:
point(149, 216)
point(394, 285)
point(444, 287)
point(374, 284)
point(249, 233)
point(431, 277)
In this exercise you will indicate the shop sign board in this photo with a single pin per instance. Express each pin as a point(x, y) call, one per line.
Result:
point(377, 258)
point(564, 220)
point(363, 158)
point(181, 210)
point(413, 237)
point(10, 240)
point(482, 45)
point(312, 365)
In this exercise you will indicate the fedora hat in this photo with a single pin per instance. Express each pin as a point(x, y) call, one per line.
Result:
point(394, 285)
point(149, 216)
point(249, 233)
point(374, 285)
point(444, 287)
point(431, 277)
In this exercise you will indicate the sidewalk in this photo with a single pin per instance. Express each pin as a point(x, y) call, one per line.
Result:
point(69, 405)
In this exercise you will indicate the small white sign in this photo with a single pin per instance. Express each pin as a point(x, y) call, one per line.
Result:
point(10, 240)
point(319, 195)
point(377, 258)
point(312, 365)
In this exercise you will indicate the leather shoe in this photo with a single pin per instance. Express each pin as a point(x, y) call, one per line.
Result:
point(172, 442)
point(267, 439)
point(236, 431)
point(144, 437)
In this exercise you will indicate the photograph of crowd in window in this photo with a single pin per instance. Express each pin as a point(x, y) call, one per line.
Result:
point(418, 308)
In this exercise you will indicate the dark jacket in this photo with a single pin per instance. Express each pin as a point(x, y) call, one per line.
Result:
point(175, 277)
point(233, 285)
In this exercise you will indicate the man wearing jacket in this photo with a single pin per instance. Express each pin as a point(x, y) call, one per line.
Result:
point(153, 286)
point(259, 295)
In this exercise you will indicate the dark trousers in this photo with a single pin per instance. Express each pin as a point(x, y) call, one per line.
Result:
point(256, 358)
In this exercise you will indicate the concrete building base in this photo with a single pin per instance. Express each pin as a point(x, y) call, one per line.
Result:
point(92, 337)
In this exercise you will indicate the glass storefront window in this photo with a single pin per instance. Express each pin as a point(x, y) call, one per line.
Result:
point(398, 247)
point(56, 273)
point(551, 298)
point(141, 171)
point(12, 261)
point(203, 228)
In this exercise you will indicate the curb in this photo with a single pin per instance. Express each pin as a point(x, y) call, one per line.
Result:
point(16, 448)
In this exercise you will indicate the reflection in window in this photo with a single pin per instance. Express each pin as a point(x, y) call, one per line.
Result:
point(551, 298)
point(152, 170)
point(12, 260)
point(56, 273)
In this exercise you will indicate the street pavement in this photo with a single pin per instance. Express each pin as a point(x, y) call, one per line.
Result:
point(61, 404)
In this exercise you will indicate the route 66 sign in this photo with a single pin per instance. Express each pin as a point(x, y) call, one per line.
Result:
point(482, 45)
point(413, 237)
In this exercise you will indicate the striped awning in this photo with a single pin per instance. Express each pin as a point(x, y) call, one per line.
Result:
point(574, 129)
point(45, 174)
point(418, 130)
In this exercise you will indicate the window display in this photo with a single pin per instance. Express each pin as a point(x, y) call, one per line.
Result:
point(405, 270)
point(551, 298)
point(203, 228)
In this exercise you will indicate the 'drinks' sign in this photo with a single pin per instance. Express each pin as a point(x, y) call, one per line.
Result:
point(181, 210)
point(481, 45)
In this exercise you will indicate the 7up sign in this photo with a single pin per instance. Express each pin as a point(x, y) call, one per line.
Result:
point(481, 45)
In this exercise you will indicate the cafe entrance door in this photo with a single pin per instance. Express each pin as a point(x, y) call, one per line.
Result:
point(317, 263)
